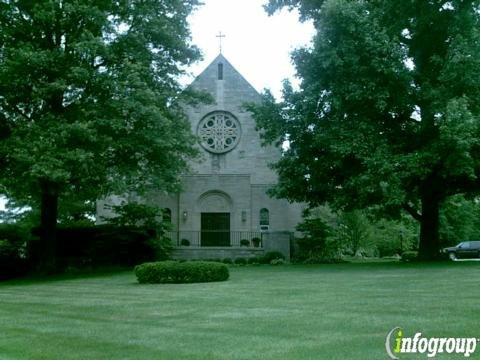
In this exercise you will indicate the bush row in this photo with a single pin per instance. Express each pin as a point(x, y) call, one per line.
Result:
point(265, 259)
point(13, 257)
point(409, 256)
point(103, 245)
point(79, 247)
point(174, 272)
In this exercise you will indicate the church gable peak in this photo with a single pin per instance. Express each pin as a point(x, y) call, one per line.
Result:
point(221, 70)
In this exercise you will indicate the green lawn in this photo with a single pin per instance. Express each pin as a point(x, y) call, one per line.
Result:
point(262, 312)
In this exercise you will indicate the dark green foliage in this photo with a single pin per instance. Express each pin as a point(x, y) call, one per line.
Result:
point(388, 247)
point(174, 272)
point(105, 245)
point(227, 261)
point(387, 114)
point(254, 260)
point(318, 259)
point(90, 103)
point(409, 256)
point(16, 234)
point(354, 231)
point(244, 242)
point(319, 243)
point(459, 220)
point(314, 241)
point(13, 242)
point(185, 242)
point(394, 237)
point(135, 214)
point(271, 255)
point(240, 261)
point(328, 235)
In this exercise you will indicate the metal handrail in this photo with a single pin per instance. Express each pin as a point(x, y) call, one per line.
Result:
point(223, 238)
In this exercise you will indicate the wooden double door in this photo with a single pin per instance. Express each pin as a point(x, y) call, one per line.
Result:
point(215, 229)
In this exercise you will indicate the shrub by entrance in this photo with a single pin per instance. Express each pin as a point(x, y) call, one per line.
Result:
point(173, 272)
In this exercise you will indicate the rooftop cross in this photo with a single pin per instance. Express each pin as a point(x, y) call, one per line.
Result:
point(220, 36)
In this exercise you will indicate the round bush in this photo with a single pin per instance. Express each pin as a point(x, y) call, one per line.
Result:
point(271, 255)
point(277, 262)
point(254, 260)
point(244, 242)
point(409, 256)
point(240, 261)
point(174, 272)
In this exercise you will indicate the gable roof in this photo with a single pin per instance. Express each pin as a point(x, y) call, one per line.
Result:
point(207, 79)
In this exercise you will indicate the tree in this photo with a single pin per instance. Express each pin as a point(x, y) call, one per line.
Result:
point(89, 101)
point(459, 220)
point(387, 113)
point(355, 229)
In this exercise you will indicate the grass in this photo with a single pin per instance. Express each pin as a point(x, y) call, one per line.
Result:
point(263, 312)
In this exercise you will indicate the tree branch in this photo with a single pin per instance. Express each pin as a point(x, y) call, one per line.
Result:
point(456, 185)
point(16, 110)
point(412, 211)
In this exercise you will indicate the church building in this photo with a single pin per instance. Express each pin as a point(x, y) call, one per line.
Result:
point(224, 201)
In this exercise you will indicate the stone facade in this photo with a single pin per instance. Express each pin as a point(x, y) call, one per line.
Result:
point(233, 174)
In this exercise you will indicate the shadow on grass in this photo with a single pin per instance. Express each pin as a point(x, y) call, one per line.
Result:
point(391, 264)
point(357, 265)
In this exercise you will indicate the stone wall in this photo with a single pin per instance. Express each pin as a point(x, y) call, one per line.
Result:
point(190, 253)
point(271, 241)
point(278, 241)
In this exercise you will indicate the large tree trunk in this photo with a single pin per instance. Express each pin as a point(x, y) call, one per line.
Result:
point(429, 227)
point(48, 225)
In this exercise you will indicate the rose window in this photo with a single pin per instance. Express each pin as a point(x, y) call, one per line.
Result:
point(219, 132)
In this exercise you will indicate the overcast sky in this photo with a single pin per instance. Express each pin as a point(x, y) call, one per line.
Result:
point(256, 44)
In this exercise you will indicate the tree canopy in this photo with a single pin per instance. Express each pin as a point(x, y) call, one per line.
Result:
point(387, 114)
point(89, 98)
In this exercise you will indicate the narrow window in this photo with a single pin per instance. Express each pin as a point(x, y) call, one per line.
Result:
point(220, 71)
point(264, 217)
point(167, 215)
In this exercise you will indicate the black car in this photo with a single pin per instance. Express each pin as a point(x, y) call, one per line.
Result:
point(464, 250)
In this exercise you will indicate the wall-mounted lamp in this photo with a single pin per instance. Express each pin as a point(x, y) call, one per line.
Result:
point(244, 215)
point(185, 215)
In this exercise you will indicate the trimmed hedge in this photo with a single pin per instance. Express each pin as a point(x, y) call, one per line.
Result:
point(254, 260)
point(240, 261)
point(13, 242)
point(174, 272)
point(409, 256)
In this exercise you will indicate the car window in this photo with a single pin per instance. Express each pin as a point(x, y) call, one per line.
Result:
point(466, 245)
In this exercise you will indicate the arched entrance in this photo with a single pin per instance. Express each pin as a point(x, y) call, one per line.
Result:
point(215, 211)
